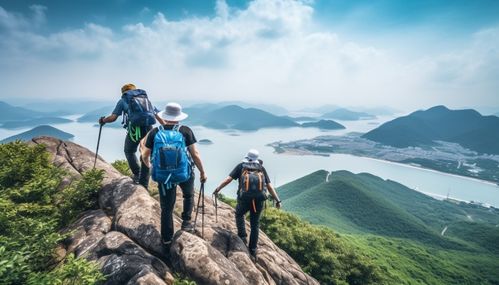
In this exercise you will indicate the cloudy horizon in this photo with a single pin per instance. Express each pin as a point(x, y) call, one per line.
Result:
point(285, 52)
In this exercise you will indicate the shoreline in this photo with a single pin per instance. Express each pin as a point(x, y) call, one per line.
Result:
point(307, 152)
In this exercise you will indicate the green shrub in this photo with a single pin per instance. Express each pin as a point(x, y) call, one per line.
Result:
point(318, 250)
point(72, 271)
point(80, 197)
point(180, 280)
point(21, 162)
point(34, 208)
point(122, 166)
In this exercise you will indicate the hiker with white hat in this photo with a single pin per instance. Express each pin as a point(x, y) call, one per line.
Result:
point(254, 182)
point(171, 149)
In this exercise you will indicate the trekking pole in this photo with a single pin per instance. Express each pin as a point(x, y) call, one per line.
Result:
point(202, 213)
point(216, 207)
point(201, 196)
point(98, 143)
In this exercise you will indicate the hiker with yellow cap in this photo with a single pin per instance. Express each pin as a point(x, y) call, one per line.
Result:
point(138, 118)
point(254, 182)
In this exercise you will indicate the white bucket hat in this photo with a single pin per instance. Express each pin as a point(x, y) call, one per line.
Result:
point(173, 112)
point(252, 156)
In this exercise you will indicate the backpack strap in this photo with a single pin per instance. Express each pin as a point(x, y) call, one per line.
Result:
point(246, 174)
point(176, 128)
point(260, 181)
point(134, 133)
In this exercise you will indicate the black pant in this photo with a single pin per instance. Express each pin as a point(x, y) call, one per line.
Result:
point(130, 149)
point(255, 207)
point(167, 199)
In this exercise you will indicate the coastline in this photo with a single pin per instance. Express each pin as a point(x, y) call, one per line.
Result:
point(307, 152)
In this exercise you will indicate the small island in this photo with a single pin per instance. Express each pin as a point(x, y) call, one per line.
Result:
point(324, 125)
point(205, 142)
point(43, 130)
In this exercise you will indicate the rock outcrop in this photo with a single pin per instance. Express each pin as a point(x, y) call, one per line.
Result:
point(123, 236)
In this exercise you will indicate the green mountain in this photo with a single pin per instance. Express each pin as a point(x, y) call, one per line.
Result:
point(236, 117)
point(422, 128)
point(324, 125)
point(347, 115)
point(43, 130)
point(364, 203)
point(34, 122)
point(415, 238)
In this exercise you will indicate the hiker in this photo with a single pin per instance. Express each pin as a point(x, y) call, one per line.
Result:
point(171, 148)
point(251, 195)
point(138, 118)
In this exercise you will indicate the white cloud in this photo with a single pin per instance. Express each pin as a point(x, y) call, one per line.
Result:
point(272, 51)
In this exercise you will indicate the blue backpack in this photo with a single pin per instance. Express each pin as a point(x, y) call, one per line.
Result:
point(140, 112)
point(170, 162)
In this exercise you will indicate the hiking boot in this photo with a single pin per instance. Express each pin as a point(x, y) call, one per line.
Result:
point(245, 241)
point(253, 255)
point(187, 226)
point(136, 178)
point(166, 247)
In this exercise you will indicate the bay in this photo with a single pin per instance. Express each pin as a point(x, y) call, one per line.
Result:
point(229, 148)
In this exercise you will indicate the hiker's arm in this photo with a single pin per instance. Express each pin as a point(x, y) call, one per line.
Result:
point(142, 147)
point(274, 195)
point(197, 161)
point(223, 184)
point(146, 156)
point(159, 119)
point(109, 119)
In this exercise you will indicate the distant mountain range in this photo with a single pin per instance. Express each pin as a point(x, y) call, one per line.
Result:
point(43, 130)
point(373, 111)
point(12, 113)
point(12, 117)
point(236, 117)
point(34, 122)
point(248, 119)
point(466, 127)
point(364, 203)
point(347, 115)
point(94, 115)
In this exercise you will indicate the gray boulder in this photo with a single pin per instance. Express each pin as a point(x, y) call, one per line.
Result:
point(123, 236)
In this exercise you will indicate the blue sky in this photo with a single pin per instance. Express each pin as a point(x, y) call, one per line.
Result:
point(406, 54)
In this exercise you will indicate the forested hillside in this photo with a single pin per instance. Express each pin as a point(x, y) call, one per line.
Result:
point(400, 227)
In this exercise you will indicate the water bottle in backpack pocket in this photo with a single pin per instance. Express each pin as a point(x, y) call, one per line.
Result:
point(140, 112)
point(252, 182)
point(170, 160)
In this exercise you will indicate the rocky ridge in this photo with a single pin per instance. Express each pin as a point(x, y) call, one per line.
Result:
point(123, 235)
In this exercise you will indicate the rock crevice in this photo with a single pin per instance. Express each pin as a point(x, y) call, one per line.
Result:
point(123, 235)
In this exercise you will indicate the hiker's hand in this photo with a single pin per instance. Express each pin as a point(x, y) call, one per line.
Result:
point(216, 192)
point(101, 121)
point(203, 177)
point(278, 204)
